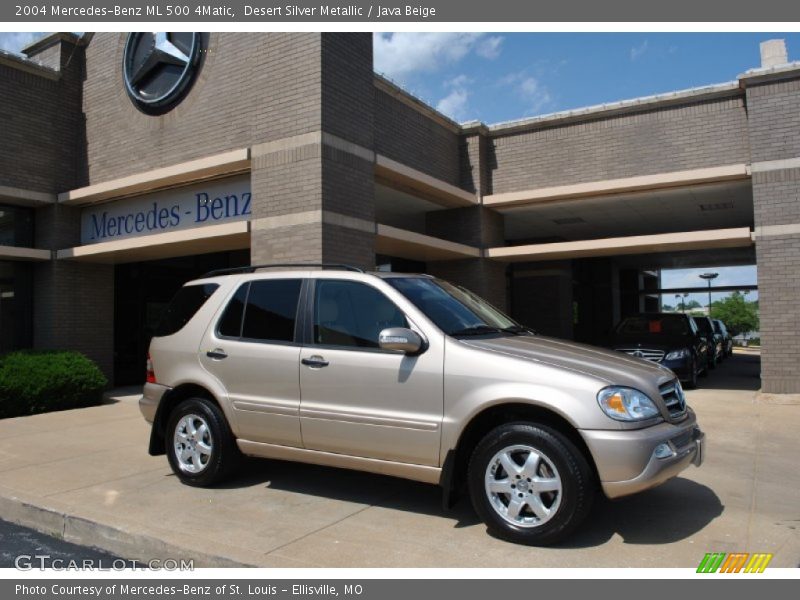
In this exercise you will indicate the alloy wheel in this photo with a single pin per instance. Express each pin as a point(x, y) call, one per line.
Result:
point(523, 486)
point(193, 444)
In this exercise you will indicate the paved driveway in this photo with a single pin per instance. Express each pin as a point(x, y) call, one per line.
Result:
point(86, 474)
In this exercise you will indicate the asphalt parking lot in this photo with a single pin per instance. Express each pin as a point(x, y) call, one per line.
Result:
point(85, 476)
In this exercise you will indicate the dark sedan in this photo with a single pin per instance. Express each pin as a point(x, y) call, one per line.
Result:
point(706, 328)
point(727, 339)
point(669, 339)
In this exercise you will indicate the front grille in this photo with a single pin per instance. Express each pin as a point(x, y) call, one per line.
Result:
point(673, 398)
point(651, 355)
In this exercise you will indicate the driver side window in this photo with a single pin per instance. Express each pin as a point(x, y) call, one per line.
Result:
point(352, 314)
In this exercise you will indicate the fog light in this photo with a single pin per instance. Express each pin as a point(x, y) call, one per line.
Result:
point(663, 451)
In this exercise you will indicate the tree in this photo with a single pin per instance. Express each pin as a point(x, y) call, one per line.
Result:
point(667, 307)
point(692, 304)
point(739, 315)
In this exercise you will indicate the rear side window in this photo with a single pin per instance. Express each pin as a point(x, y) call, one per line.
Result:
point(183, 307)
point(264, 311)
point(230, 325)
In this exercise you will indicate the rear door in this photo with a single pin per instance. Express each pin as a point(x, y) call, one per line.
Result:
point(252, 350)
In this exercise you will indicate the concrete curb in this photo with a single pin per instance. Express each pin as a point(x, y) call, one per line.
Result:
point(115, 540)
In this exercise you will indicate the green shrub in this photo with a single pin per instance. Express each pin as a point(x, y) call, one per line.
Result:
point(36, 381)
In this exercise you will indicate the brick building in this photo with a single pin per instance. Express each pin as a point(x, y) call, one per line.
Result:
point(287, 147)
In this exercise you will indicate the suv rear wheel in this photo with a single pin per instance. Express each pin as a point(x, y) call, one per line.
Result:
point(530, 484)
point(200, 446)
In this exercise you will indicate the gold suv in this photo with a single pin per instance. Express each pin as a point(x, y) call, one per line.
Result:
point(411, 376)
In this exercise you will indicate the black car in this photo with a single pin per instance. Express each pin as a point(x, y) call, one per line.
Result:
point(669, 339)
point(706, 327)
point(727, 339)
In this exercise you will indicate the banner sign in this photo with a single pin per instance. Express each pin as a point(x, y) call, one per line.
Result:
point(198, 205)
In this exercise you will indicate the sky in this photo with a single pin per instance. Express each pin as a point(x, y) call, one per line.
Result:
point(496, 77)
point(678, 278)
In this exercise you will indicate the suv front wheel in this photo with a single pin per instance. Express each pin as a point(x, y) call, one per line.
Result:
point(530, 484)
point(200, 446)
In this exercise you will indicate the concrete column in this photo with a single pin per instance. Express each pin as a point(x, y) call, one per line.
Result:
point(313, 194)
point(73, 305)
point(475, 226)
point(542, 298)
point(773, 106)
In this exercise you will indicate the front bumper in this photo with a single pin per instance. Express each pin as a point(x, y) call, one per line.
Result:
point(151, 398)
point(627, 462)
point(682, 368)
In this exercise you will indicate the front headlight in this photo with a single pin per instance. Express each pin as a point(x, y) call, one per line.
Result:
point(677, 354)
point(626, 404)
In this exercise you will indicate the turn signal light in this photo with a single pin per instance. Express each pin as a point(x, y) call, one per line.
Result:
point(151, 375)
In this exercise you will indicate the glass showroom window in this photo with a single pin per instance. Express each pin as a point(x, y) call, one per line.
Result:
point(16, 226)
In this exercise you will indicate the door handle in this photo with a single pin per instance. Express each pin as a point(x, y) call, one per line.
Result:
point(315, 362)
point(216, 354)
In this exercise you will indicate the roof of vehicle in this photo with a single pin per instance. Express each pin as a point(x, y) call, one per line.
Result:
point(656, 314)
point(299, 271)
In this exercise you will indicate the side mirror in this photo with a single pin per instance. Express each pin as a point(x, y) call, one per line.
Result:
point(400, 339)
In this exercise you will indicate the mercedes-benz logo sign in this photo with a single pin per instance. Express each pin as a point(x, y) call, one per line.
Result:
point(159, 68)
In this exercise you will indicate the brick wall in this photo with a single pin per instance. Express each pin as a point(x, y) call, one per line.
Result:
point(298, 190)
point(41, 121)
point(478, 227)
point(675, 138)
point(73, 304)
point(774, 125)
point(252, 88)
point(776, 198)
point(414, 139)
point(474, 163)
point(774, 115)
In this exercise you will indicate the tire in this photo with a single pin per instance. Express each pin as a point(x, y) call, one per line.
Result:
point(704, 369)
point(691, 383)
point(552, 513)
point(209, 455)
point(712, 361)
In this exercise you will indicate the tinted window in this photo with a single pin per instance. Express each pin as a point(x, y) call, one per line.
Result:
point(654, 325)
point(452, 308)
point(183, 307)
point(348, 313)
point(271, 310)
point(230, 325)
point(704, 325)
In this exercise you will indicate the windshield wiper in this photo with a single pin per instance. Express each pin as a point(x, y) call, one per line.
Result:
point(518, 329)
point(476, 330)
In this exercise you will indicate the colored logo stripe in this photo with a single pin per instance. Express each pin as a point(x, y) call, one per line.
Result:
point(758, 563)
point(711, 562)
point(734, 563)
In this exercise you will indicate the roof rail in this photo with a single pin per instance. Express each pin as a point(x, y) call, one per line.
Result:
point(254, 268)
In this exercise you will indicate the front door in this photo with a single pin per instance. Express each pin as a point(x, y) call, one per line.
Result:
point(252, 350)
point(358, 399)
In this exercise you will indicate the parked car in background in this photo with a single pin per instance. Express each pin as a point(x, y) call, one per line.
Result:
point(669, 339)
point(727, 339)
point(411, 376)
point(714, 340)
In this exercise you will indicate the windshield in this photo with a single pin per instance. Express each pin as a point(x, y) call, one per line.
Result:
point(654, 325)
point(454, 310)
